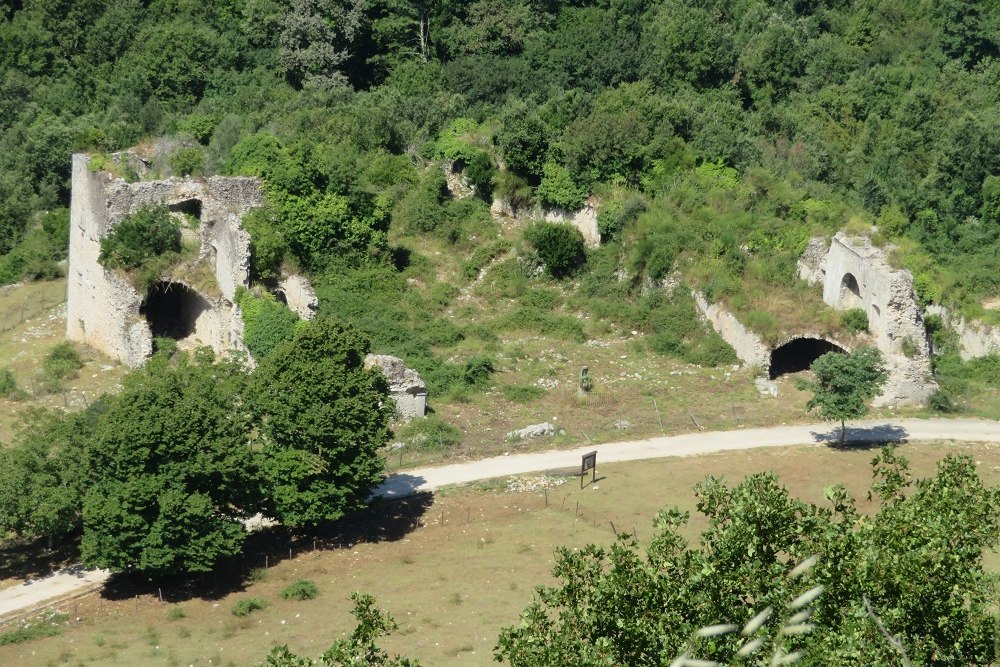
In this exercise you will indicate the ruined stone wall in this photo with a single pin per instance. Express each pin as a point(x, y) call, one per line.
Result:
point(749, 347)
point(583, 219)
point(103, 308)
point(975, 338)
point(856, 274)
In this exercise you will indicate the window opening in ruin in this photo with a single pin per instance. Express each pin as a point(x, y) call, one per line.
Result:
point(850, 293)
point(172, 309)
point(191, 207)
point(798, 355)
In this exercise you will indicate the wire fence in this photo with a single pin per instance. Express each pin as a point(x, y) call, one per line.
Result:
point(22, 310)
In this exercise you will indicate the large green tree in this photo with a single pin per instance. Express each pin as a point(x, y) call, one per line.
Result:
point(43, 475)
point(322, 417)
point(172, 471)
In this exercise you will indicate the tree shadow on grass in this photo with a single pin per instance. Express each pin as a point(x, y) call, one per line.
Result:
point(864, 437)
point(383, 521)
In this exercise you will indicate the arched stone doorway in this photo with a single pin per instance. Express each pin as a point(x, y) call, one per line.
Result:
point(798, 354)
point(850, 292)
point(172, 310)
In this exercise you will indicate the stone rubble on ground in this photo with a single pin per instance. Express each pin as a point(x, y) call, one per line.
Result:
point(533, 431)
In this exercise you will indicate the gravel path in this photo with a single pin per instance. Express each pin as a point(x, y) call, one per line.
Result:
point(75, 580)
point(690, 444)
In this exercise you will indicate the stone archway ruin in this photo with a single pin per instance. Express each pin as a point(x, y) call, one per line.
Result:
point(850, 292)
point(855, 273)
point(798, 354)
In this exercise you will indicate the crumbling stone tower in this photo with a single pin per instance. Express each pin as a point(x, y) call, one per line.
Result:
point(107, 312)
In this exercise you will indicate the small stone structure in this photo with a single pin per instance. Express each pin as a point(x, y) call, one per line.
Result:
point(856, 274)
point(298, 294)
point(406, 387)
point(583, 219)
point(105, 311)
point(749, 347)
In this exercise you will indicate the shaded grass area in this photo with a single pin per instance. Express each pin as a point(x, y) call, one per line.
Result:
point(467, 568)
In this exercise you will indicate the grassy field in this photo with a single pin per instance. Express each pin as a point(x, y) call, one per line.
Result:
point(465, 570)
point(32, 322)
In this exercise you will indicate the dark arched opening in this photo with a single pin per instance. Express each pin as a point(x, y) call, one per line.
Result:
point(172, 309)
point(190, 207)
point(850, 292)
point(798, 354)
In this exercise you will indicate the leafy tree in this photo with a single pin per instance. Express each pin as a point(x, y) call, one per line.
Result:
point(43, 474)
point(558, 188)
point(314, 38)
point(625, 605)
point(172, 472)
point(560, 247)
point(322, 417)
point(149, 232)
point(844, 384)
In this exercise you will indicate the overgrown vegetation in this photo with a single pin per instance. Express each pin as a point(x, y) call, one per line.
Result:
point(247, 606)
point(140, 237)
point(266, 321)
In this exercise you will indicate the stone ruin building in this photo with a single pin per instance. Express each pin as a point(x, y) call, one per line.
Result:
point(193, 303)
point(853, 274)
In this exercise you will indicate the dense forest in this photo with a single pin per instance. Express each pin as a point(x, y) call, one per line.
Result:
point(720, 132)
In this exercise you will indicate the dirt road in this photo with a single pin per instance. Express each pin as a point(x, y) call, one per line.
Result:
point(690, 444)
point(62, 584)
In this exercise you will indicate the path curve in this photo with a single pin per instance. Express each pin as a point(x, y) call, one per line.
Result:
point(63, 584)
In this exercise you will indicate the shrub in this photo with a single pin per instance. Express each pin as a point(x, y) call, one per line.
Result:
point(559, 246)
point(247, 606)
point(522, 393)
point(62, 362)
point(908, 347)
point(481, 172)
point(165, 347)
point(267, 244)
point(477, 370)
point(186, 161)
point(266, 322)
point(941, 401)
point(430, 434)
point(148, 233)
point(300, 589)
point(854, 320)
point(176, 613)
point(8, 383)
point(515, 190)
point(558, 188)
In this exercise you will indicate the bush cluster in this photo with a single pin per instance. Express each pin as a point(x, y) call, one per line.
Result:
point(146, 234)
point(559, 246)
point(266, 322)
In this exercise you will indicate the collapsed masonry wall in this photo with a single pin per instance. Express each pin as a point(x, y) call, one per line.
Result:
point(975, 338)
point(103, 308)
point(583, 219)
point(856, 274)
